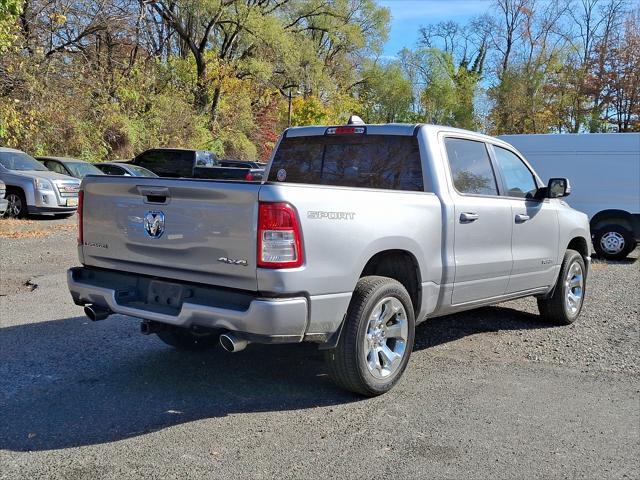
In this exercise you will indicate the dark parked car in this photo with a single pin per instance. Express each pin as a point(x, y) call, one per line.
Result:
point(184, 163)
point(126, 169)
point(240, 164)
point(69, 166)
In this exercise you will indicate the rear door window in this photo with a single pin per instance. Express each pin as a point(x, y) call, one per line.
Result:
point(113, 170)
point(389, 162)
point(205, 159)
point(471, 168)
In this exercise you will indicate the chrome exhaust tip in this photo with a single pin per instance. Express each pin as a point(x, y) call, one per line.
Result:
point(95, 313)
point(232, 343)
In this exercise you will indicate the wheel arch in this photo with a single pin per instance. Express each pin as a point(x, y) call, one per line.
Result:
point(580, 245)
point(619, 217)
point(19, 190)
point(23, 184)
point(401, 265)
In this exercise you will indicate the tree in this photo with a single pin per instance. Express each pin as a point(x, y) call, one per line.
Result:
point(9, 12)
point(449, 92)
point(385, 94)
point(622, 76)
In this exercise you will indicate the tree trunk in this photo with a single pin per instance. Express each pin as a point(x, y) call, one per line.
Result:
point(215, 103)
point(201, 95)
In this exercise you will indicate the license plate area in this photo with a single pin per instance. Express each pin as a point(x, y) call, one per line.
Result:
point(72, 202)
point(165, 294)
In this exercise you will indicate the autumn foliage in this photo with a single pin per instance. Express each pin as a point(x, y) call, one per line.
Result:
point(105, 79)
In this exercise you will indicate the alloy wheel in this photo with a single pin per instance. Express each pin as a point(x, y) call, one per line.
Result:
point(385, 341)
point(574, 285)
point(15, 206)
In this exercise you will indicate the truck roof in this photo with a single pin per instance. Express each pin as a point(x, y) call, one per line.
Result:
point(405, 129)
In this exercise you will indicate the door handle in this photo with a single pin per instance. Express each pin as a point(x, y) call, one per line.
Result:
point(521, 218)
point(468, 217)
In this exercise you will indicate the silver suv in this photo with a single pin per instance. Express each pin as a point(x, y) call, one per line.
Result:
point(32, 189)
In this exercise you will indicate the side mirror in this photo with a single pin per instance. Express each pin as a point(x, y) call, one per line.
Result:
point(558, 187)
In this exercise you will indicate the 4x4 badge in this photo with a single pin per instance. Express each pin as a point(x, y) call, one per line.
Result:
point(154, 224)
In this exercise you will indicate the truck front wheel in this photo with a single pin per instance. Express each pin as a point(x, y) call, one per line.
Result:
point(564, 305)
point(376, 339)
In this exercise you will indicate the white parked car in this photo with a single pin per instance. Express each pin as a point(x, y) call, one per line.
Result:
point(604, 171)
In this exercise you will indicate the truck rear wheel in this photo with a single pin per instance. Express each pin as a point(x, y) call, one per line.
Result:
point(183, 339)
point(376, 339)
point(565, 305)
point(613, 242)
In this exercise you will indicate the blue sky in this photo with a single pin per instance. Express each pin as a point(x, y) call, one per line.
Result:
point(407, 16)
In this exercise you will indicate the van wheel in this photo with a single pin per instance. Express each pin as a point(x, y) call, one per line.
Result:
point(376, 339)
point(17, 207)
point(613, 242)
point(183, 339)
point(564, 306)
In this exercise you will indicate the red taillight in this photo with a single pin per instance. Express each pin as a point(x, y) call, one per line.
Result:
point(279, 239)
point(345, 131)
point(79, 213)
point(248, 177)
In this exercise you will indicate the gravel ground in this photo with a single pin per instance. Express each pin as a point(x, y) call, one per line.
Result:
point(489, 393)
point(607, 337)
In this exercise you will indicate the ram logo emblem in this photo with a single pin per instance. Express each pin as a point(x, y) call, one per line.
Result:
point(154, 224)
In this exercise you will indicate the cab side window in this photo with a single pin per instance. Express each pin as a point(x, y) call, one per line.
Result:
point(112, 170)
point(55, 167)
point(518, 179)
point(471, 167)
point(205, 159)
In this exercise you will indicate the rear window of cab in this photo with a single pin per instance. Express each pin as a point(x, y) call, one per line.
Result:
point(390, 162)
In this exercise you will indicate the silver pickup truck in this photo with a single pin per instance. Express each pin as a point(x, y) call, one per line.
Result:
point(358, 234)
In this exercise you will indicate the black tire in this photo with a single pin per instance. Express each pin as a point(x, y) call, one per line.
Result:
point(554, 308)
point(183, 339)
point(347, 363)
point(17, 207)
point(621, 242)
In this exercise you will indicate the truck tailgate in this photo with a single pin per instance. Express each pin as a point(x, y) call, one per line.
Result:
point(192, 230)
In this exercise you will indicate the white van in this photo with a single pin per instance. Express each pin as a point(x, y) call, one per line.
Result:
point(604, 171)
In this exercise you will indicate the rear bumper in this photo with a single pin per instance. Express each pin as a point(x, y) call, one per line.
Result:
point(272, 320)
